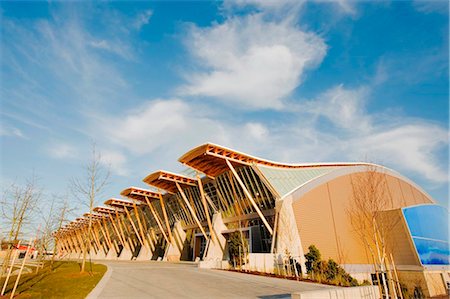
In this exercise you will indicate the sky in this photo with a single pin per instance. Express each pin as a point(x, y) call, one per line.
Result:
point(289, 81)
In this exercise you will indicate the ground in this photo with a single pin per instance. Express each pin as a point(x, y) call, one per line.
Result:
point(65, 281)
point(185, 280)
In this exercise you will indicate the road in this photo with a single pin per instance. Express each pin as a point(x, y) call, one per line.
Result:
point(179, 280)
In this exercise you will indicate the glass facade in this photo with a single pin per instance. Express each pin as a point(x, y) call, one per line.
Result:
point(429, 227)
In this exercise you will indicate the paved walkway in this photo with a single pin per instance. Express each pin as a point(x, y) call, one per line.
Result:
point(180, 280)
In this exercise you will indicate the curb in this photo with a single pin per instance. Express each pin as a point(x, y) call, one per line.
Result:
point(101, 284)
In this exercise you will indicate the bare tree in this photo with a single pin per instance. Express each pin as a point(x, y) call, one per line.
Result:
point(18, 205)
point(63, 212)
point(88, 188)
point(370, 198)
point(48, 225)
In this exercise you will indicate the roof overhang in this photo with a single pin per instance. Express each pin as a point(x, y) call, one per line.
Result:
point(140, 194)
point(120, 203)
point(165, 180)
point(92, 216)
point(210, 159)
point(108, 210)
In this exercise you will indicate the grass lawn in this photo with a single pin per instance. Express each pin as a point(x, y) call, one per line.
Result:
point(65, 281)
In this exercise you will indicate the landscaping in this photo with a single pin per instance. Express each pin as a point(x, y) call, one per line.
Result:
point(63, 280)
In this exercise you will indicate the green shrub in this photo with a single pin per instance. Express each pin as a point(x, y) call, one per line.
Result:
point(312, 258)
point(326, 271)
point(237, 247)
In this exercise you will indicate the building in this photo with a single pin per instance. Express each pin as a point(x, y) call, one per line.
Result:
point(279, 209)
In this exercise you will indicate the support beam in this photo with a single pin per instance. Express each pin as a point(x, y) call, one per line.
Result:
point(212, 233)
point(141, 228)
point(163, 207)
point(152, 209)
point(119, 235)
point(191, 210)
point(249, 196)
point(134, 226)
point(120, 222)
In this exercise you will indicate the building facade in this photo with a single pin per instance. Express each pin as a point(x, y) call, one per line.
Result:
point(278, 210)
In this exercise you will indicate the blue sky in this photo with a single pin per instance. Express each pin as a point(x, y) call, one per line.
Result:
point(288, 81)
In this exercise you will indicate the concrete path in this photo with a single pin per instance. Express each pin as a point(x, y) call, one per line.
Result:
point(180, 280)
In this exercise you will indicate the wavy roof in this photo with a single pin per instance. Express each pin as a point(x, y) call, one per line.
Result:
point(210, 159)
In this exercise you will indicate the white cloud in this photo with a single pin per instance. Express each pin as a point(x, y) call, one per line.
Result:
point(407, 144)
point(251, 62)
point(160, 123)
point(411, 146)
point(258, 131)
point(116, 160)
point(62, 151)
point(431, 6)
point(11, 131)
point(344, 107)
point(142, 19)
point(264, 5)
point(346, 6)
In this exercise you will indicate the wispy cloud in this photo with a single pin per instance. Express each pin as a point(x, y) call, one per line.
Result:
point(250, 61)
point(142, 19)
point(116, 161)
point(409, 144)
point(6, 130)
point(431, 6)
point(63, 151)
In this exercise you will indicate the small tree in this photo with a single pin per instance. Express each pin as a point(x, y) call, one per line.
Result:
point(88, 188)
point(369, 199)
point(64, 211)
point(18, 206)
point(237, 247)
point(312, 258)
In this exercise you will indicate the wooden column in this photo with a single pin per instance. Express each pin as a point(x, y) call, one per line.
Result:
point(191, 210)
point(122, 222)
point(133, 225)
point(119, 235)
point(152, 209)
point(247, 193)
point(169, 231)
point(141, 228)
point(205, 206)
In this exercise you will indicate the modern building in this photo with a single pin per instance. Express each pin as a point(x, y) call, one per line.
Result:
point(279, 210)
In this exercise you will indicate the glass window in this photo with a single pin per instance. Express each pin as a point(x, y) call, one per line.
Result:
point(429, 229)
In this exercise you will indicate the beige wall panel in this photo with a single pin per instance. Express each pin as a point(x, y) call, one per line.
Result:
point(314, 222)
point(314, 217)
point(419, 196)
point(435, 284)
point(399, 241)
point(407, 193)
point(412, 279)
point(351, 248)
point(393, 184)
